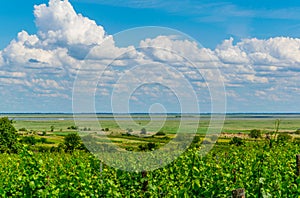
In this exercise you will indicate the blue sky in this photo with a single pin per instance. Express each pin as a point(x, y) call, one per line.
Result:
point(254, 43)
point(209, 22)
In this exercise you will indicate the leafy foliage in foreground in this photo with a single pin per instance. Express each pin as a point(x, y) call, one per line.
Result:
point(8, 136)
point(257, 168)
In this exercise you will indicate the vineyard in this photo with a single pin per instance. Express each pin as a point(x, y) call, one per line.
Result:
point(262, 171)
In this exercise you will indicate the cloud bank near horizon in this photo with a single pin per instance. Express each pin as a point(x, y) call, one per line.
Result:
point(43, 66)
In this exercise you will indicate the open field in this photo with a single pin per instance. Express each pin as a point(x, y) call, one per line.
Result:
point(41, 122)
point(235, 125)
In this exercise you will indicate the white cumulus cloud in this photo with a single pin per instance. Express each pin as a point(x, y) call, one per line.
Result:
point(45, 63)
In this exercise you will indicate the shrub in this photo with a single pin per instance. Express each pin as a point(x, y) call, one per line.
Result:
point(129, 149)
point(143, 131)
point(86, 129)
point(73, 127)
point(236, 141)
point(23, 129)
point(283, 138)
point(297, 141)
point(255, 133)
point(72, 142)
point(8, 136)
point(126, 134)
point(43, 140)
point(148, 147)
point(196, 139)
point(29, 140)
point(297, 131)
point(160, 133)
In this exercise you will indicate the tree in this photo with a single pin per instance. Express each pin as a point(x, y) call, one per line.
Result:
point(72, 142)
point(143, 131)
point(52, 128)
point(29, 140)
point(8, 136)
point(255, 133)
point(43, 140)
point(196, 139)
point(148, 147)
point(23, 129)
point(73, 127)
point(236, 141)
point(160, 133)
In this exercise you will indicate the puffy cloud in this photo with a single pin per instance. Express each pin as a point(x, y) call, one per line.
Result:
point(59, 24)
point(107, 50)
point(46, 60)
point(46, 63)
point(23, 50)
point(279, 51)
point(171, 48)
point(231, 54)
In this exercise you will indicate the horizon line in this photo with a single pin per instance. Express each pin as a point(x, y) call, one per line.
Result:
point(120, 113)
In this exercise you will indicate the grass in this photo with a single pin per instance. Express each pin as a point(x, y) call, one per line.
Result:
point(245, 126)
point(43, 125)
point(170, 127)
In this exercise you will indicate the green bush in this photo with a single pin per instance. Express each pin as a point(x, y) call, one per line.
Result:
point(43, 140)
point(148, 147)
point(255, 133)
point(236, 141)
point(8, 136)
point(196, 139)
point(73, 127)
point(283, 138)
point(41, 149)
point(296, 141)
point(160, 133)
point(262, 172)
point(23, 129)
point(297, 131)
point(30, 140)
point(71, 142)
point(143, 131)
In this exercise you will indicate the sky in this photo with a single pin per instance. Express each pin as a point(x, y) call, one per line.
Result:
point(56, 55)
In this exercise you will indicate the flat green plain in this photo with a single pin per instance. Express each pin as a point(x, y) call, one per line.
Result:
point(243, 125)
